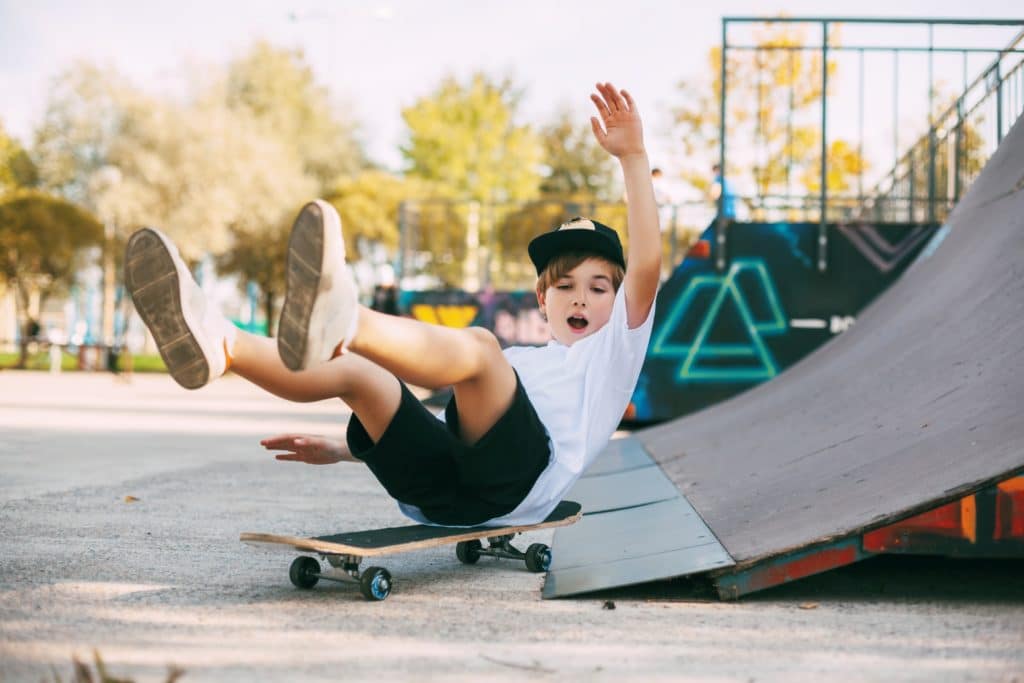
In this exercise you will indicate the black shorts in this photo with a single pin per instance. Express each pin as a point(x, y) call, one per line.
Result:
point(421, 461)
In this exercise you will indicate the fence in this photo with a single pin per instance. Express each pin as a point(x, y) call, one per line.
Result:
point(928, 181)
point(476, 245)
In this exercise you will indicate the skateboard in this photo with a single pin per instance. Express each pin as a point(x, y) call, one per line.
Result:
point(344, 552)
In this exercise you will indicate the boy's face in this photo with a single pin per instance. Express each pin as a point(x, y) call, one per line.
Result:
point(580, 303)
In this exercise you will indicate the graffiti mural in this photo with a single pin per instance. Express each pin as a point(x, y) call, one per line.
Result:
point(512, 316)
point(717, 334)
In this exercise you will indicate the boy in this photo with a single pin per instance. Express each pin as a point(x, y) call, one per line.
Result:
point(523, 423)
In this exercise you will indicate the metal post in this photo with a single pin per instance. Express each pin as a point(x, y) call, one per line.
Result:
point(720, 221)
point(822, 225)
point(471, 268)
point(912, 176)
point(895, 111)
point(789, 134)
point(999, 104)
point(673, 238)
point(860, 138)
point(107, 324)
point(402, 243)
point(959, 159)
point(931, 129)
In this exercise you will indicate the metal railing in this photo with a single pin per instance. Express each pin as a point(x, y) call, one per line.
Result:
point(932, 176)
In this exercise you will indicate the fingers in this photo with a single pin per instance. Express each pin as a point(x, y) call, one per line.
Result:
point(279, 440)
point(602, 108)
point(630, 104)
point(288, 441)
point(598, 130)
point(612, 100)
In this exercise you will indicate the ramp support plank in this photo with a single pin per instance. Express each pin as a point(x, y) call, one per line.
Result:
point(790, 567)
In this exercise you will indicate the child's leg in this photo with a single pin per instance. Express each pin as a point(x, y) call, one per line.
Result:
point(198, 344)
point(321, 313)
point(432, 356)
point(372, 392)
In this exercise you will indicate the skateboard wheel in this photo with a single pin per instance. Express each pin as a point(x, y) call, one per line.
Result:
point(304, 572)
point(538, 557)
point(468, 552)
point(375, 583)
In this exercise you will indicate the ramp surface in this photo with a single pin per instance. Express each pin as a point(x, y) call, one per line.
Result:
point(918, 404)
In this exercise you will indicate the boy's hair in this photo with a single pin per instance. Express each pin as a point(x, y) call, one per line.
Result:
point(559, 266)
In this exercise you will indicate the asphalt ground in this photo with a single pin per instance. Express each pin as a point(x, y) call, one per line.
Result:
point(121, 503)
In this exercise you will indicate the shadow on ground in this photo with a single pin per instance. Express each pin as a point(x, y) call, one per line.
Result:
point(887, 577)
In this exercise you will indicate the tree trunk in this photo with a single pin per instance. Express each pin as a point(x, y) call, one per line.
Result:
point(25, 323)
point(268, 310)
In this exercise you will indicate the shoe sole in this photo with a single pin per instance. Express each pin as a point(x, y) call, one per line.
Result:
point(303, 269)
point(152, 280)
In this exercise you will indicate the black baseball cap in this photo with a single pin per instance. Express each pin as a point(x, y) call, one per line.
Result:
point(579, 234)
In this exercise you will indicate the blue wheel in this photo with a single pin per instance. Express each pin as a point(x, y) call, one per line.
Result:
point(538, 557)
point(375, 583)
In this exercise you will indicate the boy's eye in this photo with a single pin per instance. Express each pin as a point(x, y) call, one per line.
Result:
point(599, 290)
point(563, 285)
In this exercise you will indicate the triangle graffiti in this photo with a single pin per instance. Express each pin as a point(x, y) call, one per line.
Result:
point(719, 351)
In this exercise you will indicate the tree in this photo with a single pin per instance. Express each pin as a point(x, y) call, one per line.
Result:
point(43, 241)
point(85, 114)
point(225, 168)
point(577, 167)
point(773, 100)
point(17, 170)
point(465, 136)
point(276, 88)
point(274, 92)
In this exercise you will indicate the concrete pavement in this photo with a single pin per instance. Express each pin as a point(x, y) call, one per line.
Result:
point(164, 580)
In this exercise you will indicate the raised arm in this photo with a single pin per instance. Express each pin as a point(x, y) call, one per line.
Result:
point(620, 132)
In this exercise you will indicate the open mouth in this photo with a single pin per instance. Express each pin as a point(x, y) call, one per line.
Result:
point(577, 323)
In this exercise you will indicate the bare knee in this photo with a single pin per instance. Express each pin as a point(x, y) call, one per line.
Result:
point(488, 349)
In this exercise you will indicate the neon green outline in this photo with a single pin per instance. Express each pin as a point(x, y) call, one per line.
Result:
point(700, 348)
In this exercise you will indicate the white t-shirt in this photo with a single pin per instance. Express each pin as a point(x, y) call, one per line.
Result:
point(580, 393)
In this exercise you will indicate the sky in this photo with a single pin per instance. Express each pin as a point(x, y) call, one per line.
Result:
point(377, 56)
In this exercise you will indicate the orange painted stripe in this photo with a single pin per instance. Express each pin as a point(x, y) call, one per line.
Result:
point(969, 518)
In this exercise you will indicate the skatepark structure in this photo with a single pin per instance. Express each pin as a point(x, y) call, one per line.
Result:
point(915, 407)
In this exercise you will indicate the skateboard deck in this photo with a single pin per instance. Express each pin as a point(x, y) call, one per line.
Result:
point(345, 551)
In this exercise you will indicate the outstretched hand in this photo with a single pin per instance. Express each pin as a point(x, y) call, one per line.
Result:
point(619, 130)
point(308, 448)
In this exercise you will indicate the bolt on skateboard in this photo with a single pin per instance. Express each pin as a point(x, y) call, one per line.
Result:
point(344, 552)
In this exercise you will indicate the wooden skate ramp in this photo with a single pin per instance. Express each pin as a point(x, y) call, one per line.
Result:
point(920, 403)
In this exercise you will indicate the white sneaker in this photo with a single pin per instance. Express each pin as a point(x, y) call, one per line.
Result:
point(321, 302)
point(193, 337)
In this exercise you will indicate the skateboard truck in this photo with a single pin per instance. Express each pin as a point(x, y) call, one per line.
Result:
point(537, 557)
point(374, 583)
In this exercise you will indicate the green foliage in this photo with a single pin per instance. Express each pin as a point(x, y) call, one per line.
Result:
point(465, 136)
point(276, 87)
point(259, 256)
point(576, 164)
point(42, 239)
point(17, 169)
point(42, 246)
point(773, 97)
point(369, 204)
